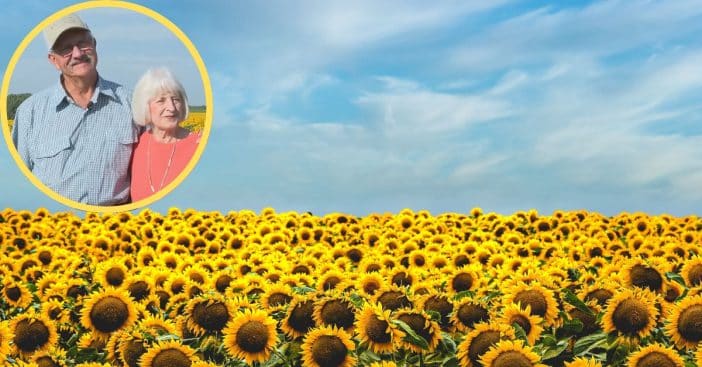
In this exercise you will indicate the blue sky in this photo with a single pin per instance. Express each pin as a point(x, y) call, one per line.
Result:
point(376, 106)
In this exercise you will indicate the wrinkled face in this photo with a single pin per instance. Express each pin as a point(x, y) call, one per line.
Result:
point(74, 54)
point(166, 110)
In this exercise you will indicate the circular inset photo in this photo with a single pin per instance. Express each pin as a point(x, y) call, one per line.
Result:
point(108, 106)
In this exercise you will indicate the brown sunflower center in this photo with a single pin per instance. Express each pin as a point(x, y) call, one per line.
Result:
point(46, 361)
point(279, 299)
point(115, 277)
point(300, 318)
point(222, 283)
point(690, 323)
point(376, 330)
point(440, 305)
point(418, 324)
point(534, 299)
point(171, 358)
point(645, 277)
point(522, 321)
point(138, 290)
point(655, 359)
point(469, 314)
point(481, 343)
point(630, 316)
point(13, 293)
point(511, 358)
point(331, 282)
point(371, 287)
point(671, 294)
point(695, 275)
point(212, 317)
point(329, 350)
point(75, 291)
point(354, 255)
point(109, 314)
point(393, 300)
point(252, 337)
point(462, 282)
point(338, 313)
point(31, 335)
point(401, 279)
point(132, 351)
point(601, 295)
point(589, 320)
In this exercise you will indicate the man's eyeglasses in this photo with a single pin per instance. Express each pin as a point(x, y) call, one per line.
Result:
point(65, 51)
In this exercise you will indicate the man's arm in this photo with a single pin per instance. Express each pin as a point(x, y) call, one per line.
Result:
point(20, 133)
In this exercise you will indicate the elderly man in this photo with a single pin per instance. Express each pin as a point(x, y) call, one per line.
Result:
point(77, 136)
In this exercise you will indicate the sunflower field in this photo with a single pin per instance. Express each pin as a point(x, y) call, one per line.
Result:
point(195, 289)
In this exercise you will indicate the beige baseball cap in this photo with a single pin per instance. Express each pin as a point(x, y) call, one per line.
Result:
point(54, 30)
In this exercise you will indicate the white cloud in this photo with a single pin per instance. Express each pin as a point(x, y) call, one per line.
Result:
point(415, 111)
point(599, 29)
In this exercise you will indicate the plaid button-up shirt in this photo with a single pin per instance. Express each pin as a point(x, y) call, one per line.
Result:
point(81, 154)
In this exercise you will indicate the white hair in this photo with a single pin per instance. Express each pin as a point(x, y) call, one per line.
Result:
point(151, 84)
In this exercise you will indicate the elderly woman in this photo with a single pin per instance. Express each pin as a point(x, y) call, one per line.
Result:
point(164, 148)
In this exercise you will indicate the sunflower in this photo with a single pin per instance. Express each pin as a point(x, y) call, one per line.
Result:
point(107, 311)
point(5, 338)
point(111, 273)
point(644, 274)
point(531, 324)
point(540, 299)
point(168, 354)
point(507, 353)
point(422, 324)
point(401, 277)
point(15, 293)
point(139, 287)
point(208, 314)
point(251, 336)
point(383, 364)
point(463, 279)
point(176, 284)
point(131, 345)
point(327, 346)
point(299, 318)
point(601, 292)
point(375, 329)
point(334, 309)
point(330, 280)
point(672, 290)
point(221, 280)
point(32, 333)
point(685, 323)
point(369, 283)
point(439, 303)
point(468, 312)
point(276, 297)
point(631, 314)
point(582, 362)
point(392, 298)
point(87, 341)
point(655, 355)
point(692, 271)
point(54, 357)
point(480, 340)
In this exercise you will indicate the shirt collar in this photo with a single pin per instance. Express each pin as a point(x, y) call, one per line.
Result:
point(60, 98)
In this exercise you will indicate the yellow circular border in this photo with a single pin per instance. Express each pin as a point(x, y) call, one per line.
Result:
point(107, 4)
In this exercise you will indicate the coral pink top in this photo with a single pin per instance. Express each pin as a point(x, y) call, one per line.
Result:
point(150, 163)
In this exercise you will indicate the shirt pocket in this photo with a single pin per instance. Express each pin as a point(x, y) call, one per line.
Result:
point(118, 149)
point(49, 159)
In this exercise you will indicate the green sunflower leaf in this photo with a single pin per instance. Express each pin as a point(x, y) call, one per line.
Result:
point(572, 299)
point(410, 336)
